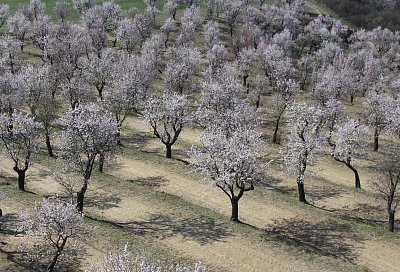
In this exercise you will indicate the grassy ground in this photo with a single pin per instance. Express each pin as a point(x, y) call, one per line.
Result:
point(162, 208)
point(73, 15)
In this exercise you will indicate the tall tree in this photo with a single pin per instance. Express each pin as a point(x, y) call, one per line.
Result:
point(388, 184)
point(304, 142)
point(346, 141)
point(377, 107)
point(88, 131)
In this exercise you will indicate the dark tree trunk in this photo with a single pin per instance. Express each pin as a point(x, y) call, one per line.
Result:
point(21, 178)
point(169, 151)
point(101, 162)
point(48, 144)
point(391, 221)
point(235, 209)
point(376, 140)
point(356, 176)
point(53, 263)
point(302, 193)
point(119, 136)
point(60, 249)
point(275, 136)
point(258, 101)
point(245, 80)
point(81, 196)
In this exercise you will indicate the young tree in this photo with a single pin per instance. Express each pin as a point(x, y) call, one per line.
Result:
point(83, 5)
point(285, 91)
point(76, 90)
point(133, 32)
point(247, 59)
point(388, 186)
point(346, 142)
point(37, 88)
point(231, 160)
point(190, 22)
point(99, 69)
point(10, 53)
point(37, 8)
point(170, 7)
point(4, 13)
point(121, 260)
point(167, 28)
point(217, 56)
point(10, 96)
point(20, 136)
point(53, 225)
point(61, 10)
point(232, 9)
point(304, 142)
point(20, 27)
point(377, 106)
point(88, 131)
point(211, 34)
point(182, 65)
point(167, 115)
point(274, 63)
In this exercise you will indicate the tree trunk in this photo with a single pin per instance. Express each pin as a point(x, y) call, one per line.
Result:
point(48, 144)
point(101, 162)
point(119, 136)
point(81, 195)
point(376, 140)
point(391, 221)
point(235, 209)
point(245, 80)
point(275, 137)
point(169, 151)
point(51, 266)
point(258, 101)
point(21, 178)
point(302, 193)
point(356, 176)
point(60, 249)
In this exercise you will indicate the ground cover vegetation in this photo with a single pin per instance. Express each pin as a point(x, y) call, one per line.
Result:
point(367, 14)
point(128, 130)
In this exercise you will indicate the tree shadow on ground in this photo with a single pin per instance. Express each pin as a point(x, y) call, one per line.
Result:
point(102, 201)
point(326, 238)
point(9, 224)
point(22, 259)
point(137, 139)
point(152, 182)
point(318, 192)
point(20, 256)
point(275, 184)
point(314, 193)
point(363, 213)
point(201, 229)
